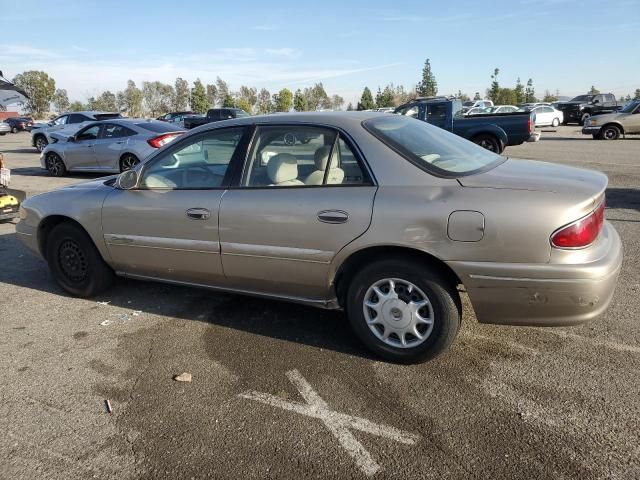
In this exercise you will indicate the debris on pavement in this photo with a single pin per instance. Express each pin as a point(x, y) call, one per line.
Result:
point(108, 405)
point(104, 303)
point(136, 313)
point(183, 377)
point(105, 323)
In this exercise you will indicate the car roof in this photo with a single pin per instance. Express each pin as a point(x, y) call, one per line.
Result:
point(332, 119)
point(89, 112)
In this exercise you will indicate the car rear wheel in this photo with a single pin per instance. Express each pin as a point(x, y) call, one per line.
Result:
point(402, 312)
point(489, 142)
point(55, 165)
point(128, 161)
point(41, 143)
point(610, 132)
point(14, 130)
point(555, 122)
point(75, 262)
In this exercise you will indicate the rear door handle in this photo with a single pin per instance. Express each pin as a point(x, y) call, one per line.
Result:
point(198, 213)
point(333, 216)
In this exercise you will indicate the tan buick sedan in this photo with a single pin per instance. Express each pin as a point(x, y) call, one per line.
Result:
point(383, 216)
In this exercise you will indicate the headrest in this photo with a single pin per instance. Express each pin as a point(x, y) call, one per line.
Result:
point(321, 158)
point(282, 168)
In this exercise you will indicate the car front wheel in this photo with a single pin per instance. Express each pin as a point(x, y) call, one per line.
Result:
point(55, 165)
point(610, 132)
point(403, 312)
point(41, 143)
point(75, 262)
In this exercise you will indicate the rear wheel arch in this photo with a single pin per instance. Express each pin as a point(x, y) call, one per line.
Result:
point(362, 258)
point(124, 156)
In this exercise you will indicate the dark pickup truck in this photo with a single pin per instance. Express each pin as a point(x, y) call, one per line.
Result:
point(493, 132)
point(213, 115)
point(579, 109)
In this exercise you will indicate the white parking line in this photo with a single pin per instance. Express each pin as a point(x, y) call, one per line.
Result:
point(339, 424)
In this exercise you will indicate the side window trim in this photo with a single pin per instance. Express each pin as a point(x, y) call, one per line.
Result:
point(238, 181)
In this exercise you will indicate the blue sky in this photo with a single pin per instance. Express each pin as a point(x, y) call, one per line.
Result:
point(92, 46)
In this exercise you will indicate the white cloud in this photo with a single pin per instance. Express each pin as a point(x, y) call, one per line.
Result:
point(20, 51)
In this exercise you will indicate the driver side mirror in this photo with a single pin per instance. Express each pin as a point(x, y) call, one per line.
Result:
point(127, 180)
point(596, 101)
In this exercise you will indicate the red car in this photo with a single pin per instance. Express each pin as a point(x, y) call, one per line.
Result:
point(18, 124)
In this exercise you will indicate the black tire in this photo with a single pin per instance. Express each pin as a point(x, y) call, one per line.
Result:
point(610, 132)
point(488, 142)
point(75, 262)
point(555, 122)
point(41, 143)
point(14, 130)
point(442, 295)
point(584, 118)
point(55, 165)
point(128, 161)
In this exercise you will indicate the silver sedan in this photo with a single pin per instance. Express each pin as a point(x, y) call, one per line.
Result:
point(108, 146)
point(381, 215)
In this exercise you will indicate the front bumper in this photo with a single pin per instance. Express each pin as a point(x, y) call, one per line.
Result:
point(28, 235)
point(591, 130)
point(543, 295)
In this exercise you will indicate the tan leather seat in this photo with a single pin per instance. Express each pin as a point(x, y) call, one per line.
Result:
point(321, 158)
point(283, 170)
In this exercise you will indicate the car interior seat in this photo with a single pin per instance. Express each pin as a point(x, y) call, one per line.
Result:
point(282, 170)
point(321, 159)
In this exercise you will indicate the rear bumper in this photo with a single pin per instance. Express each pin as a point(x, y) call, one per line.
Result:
point(534, 137)
point(543, 295)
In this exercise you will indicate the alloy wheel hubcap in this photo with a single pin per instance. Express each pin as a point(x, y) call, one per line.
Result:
point(53, 164)
point(609, 133)
point(398, 313)
point(40, 143)
point(128, 162)
point(72, 261)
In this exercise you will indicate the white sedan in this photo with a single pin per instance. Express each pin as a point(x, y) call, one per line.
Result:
point(545, 115)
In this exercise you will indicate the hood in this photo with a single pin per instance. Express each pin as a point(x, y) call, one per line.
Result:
point(101, 182)
point(515, 174)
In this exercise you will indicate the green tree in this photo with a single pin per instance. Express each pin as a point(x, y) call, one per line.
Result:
point(637, 93)
point(157, 97)
point(317, 97)
point(463, 97)
point(60, 101)
point(181, 97)
point(428, 86)
point(384, 98)
point(350, 107)
point(593, 90)
point(300, 102)
point(130, 100)
point(494, 90)
point(263, 103)
point(212, 95)
point(549, 97)
point(477, 96)
point(336, 102)
point(199, 102)
point(283, 100)
point(106, 102)
point(366, 100)
point(223, 89)
point(519, 92)
point(530, 93)
point(506, 96)
point(77, 106)
point(244, 104)
point(40, 89)
point(250, 94)
point(228, 101)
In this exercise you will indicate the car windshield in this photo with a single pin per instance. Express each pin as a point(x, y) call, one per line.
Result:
point(582, 98)
point(241, 113)
point(431, 148)
point(630, 107)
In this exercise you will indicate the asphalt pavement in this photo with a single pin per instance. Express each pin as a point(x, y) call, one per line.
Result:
point(286, 391)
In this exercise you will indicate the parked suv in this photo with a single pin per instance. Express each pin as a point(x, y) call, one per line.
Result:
point(612, 125)
point(69, 122)
point(214, 115)
point(582, 107)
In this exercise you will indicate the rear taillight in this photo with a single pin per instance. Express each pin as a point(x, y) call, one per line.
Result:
point(531, 125)
point(162, 140)
point(580, 233)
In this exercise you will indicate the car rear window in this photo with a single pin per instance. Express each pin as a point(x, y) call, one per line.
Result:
point(431, 148)
point(158, 127)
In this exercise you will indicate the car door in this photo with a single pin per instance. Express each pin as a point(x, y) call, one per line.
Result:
point(109, 145)
point(167, 227)
point(78, 151)
point(293, 210)
point(631, 121)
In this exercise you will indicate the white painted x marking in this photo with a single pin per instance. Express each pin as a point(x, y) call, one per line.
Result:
point(339, 424)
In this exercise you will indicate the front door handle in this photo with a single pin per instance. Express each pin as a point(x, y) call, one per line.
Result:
point(198, 213)
point(333, 216)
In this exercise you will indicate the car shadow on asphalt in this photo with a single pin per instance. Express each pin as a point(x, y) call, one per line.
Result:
point(40, 172)
point(325, 329)
point(628, 198)
point(18, 150)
